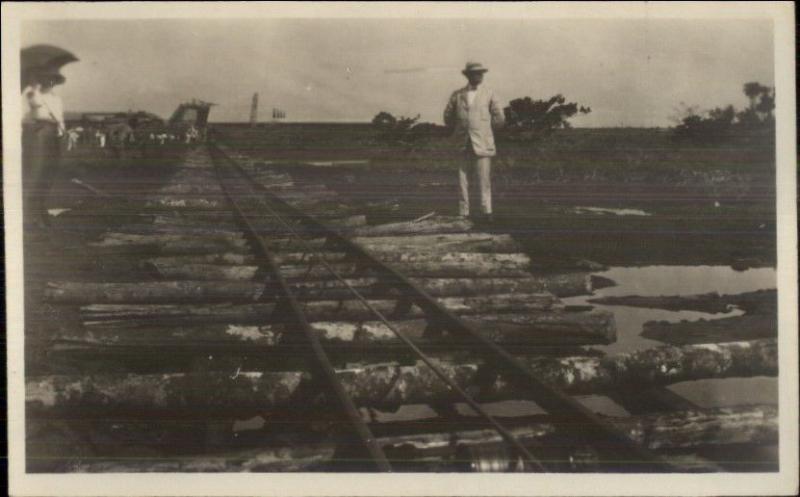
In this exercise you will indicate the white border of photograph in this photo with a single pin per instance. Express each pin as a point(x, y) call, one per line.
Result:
point(784, 482)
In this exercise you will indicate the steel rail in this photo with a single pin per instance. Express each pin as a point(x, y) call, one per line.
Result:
point(297, 318)
point(506, 434)
point(598, 432)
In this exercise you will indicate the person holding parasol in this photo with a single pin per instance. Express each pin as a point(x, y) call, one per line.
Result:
point(42, 126)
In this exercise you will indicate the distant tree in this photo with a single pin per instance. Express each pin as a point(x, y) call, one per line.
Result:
point(384, 120)
point(714, 126)
point(752, 90)
point(392, 129)
point(762, 105)
point(717, 124)
point(530, 118)
point(404, 131)
point(682, 111)
point(766, 104)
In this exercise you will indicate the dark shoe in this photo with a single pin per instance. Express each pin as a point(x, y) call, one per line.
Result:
point(483, 219)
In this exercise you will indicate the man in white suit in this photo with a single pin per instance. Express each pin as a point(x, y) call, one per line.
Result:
point(470, 114)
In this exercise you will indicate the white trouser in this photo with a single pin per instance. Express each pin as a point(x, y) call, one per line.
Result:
point(480, 169)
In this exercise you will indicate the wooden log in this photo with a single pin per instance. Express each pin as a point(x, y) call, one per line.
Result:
point(219, 258)
point(391, 385)
point(225, 228)
point(178, 244)
point(308, 202)
point(722, 426)
point(752, 424)
point(152, 292)
point(132, 315)
point(306, 458)
point(737, 328)
point(178, 225)
point(234, 240)
point(203, 272)
point(499, 303)
point(194, 188)
point(513, 330)
point(555, 328)
point(518, 260)
point(439, 269)
point(188, 291)
point(319, 310)
point(433, 225)
point(347, 221)
point(454, 242)
point(174, 202)
point(161, 221)
point(559, 285)
point(193, 218)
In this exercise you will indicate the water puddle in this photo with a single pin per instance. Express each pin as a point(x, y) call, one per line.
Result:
point(336, 163)
point(608, 210)
point(649, 281)
point(254, 423)
point(686, 280)
point(729, 392)
point(57, 212)
point(652, 281)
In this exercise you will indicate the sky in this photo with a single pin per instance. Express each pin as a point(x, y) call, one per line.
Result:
point(630, 72)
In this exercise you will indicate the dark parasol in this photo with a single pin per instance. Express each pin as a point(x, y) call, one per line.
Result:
point(43, 59)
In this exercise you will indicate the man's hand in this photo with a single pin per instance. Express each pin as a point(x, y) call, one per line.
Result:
point(496, 109)
point(450, 114)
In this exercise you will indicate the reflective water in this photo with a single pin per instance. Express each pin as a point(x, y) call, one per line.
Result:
point(685, 280)
point(650, 281)
point(681, 280)
point(608, 210)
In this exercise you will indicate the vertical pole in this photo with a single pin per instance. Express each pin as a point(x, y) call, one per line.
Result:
point(254, 110)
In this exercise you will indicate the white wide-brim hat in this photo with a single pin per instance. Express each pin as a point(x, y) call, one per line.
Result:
point(474, 67)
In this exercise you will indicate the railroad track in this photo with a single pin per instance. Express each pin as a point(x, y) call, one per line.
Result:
point(255, 306)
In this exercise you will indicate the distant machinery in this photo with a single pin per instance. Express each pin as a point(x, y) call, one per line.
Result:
point(192, 113)
point(102, 119)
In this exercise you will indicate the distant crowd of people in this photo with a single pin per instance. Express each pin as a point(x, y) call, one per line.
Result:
point(79, 137)
point(85, 137)
point(189, 136)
